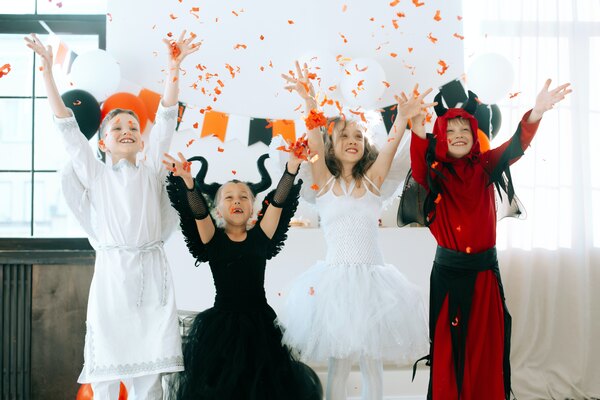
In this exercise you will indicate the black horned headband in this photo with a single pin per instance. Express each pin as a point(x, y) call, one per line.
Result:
point(210, 189)
point(470, 106)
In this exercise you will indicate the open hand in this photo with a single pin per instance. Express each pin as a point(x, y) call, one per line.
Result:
point(181, 168)
point(180, 49)
point(301, 83)
point(414, 107)
point(45, 53)
point(546, 99)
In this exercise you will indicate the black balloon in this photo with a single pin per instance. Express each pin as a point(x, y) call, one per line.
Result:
point(86, 110)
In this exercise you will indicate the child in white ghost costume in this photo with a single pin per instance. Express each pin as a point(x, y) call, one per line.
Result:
point(132, 332)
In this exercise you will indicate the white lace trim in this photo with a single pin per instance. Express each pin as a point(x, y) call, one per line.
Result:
point(167, 113)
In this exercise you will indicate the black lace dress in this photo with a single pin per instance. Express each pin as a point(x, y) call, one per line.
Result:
point(234, 350)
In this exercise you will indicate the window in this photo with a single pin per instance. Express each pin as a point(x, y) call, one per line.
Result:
point(31, 202)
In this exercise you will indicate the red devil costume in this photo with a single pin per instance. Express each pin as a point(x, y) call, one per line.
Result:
point(469, 322)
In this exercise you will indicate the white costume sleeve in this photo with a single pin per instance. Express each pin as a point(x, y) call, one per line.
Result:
point(161, 136)
point(393, 183)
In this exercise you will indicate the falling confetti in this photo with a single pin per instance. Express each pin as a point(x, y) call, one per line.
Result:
point(220, 149)
point(444, 67)
point(394, 3)
point(4, 70)
point(432, 38)
point(437, 16)
point(314, 187)
point(513, 95)
point(417, 4)
point(461, 37)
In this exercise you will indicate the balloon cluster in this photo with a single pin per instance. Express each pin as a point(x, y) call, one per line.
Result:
point(96, 76)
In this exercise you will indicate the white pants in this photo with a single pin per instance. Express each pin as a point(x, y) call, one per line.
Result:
point(147, 387)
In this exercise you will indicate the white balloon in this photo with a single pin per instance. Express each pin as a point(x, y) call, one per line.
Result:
point(325, 66)
point(96, 72)
point(490, 77)
point(365, 83)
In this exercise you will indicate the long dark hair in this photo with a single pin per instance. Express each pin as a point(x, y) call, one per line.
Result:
point(333, 164)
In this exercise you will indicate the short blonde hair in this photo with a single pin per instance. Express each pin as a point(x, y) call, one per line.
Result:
point(458, 122)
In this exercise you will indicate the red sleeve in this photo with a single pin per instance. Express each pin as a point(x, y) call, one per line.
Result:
point(418, 148)
point(524, 135)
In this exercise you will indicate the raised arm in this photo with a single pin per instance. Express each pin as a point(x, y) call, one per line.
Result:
point(271, 218)
point(302, 85)
point(195, 200)
point(85, 163)
point(408, 107)
point(510, 151)
point(167, 113)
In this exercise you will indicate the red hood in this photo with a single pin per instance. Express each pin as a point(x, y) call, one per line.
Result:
point(440, 129)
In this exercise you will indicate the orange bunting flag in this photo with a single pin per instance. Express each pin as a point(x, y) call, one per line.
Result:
point(215, 124)
point(315, 119)
point(151, 100)
point(286, 128)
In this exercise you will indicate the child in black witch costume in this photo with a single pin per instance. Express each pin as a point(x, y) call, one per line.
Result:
point(234, 349)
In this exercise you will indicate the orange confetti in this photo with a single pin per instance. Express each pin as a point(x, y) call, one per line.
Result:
point(240, 46)
point(438, 198)
point(461, 37)
point(458, 228)
point(314, 187)
point(234, 13)
point(362, 115)
point(394, 55)
point(4, 70)
point(437, 16)
point(332, 88)
point(344, 7)
point(262, 37)
point(444, 67)
point(434, 164)
point(187, 166)
point(195, 125)
point(290, 22)
point(311, 291)
point(299, 148)
point(172, 16)
point(344, 38)
point(330, 127)
point(297, 108)
point(395, 23)
point(41, 68)
point(394, 3)
point(175, 50)
point(372, 19)
point(78, 103)
point(417, 4)
point(513, 95)
point(233, 171)
point(315, 119)
point(100, 143)
point(410, 49)
point(468, 249)
point(220, 83)
point(190, 143)
point(220, 149)
point(458, 17)
point(401, 15)
point(361, 69)
point(195, 9)
point(432, 38)
point(387, 84)
point(311, 75)
point(262, 68)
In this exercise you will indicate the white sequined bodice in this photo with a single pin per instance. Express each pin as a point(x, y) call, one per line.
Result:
point(350, 226)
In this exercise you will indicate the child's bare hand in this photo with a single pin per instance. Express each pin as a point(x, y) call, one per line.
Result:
point(180, 49)
point(181, 168)
point(546, 99)
point(45, 53)
point(301, 83)
point(413, 107)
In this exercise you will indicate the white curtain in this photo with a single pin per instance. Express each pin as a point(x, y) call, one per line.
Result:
point(551, 261)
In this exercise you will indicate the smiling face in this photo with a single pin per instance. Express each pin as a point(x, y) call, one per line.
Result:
point(122, 137)
point(460, 137)
point(234, 203)
point(349, 143)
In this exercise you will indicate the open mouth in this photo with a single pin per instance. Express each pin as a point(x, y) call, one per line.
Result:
point(459, 143)
point(352, 151)
point(236, 210)
point(127, 140)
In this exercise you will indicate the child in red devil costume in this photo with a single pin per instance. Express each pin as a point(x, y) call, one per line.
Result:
point(469, 322)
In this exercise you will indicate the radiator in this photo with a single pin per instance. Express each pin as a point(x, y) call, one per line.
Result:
point(15, 331)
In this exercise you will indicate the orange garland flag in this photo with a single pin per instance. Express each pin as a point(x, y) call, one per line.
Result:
point(151, 100)
point(215, 124)
point(286, 128)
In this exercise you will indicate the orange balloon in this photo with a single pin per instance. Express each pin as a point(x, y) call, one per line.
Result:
point(126, 101)
point(484, 142)
point(85, 392)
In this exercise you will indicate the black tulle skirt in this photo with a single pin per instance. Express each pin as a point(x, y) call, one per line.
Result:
point(239, 355)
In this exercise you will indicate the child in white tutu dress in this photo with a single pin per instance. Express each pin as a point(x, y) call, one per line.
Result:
point(353, 306)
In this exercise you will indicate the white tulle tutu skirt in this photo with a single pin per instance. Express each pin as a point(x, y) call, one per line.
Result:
point(348, 311)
